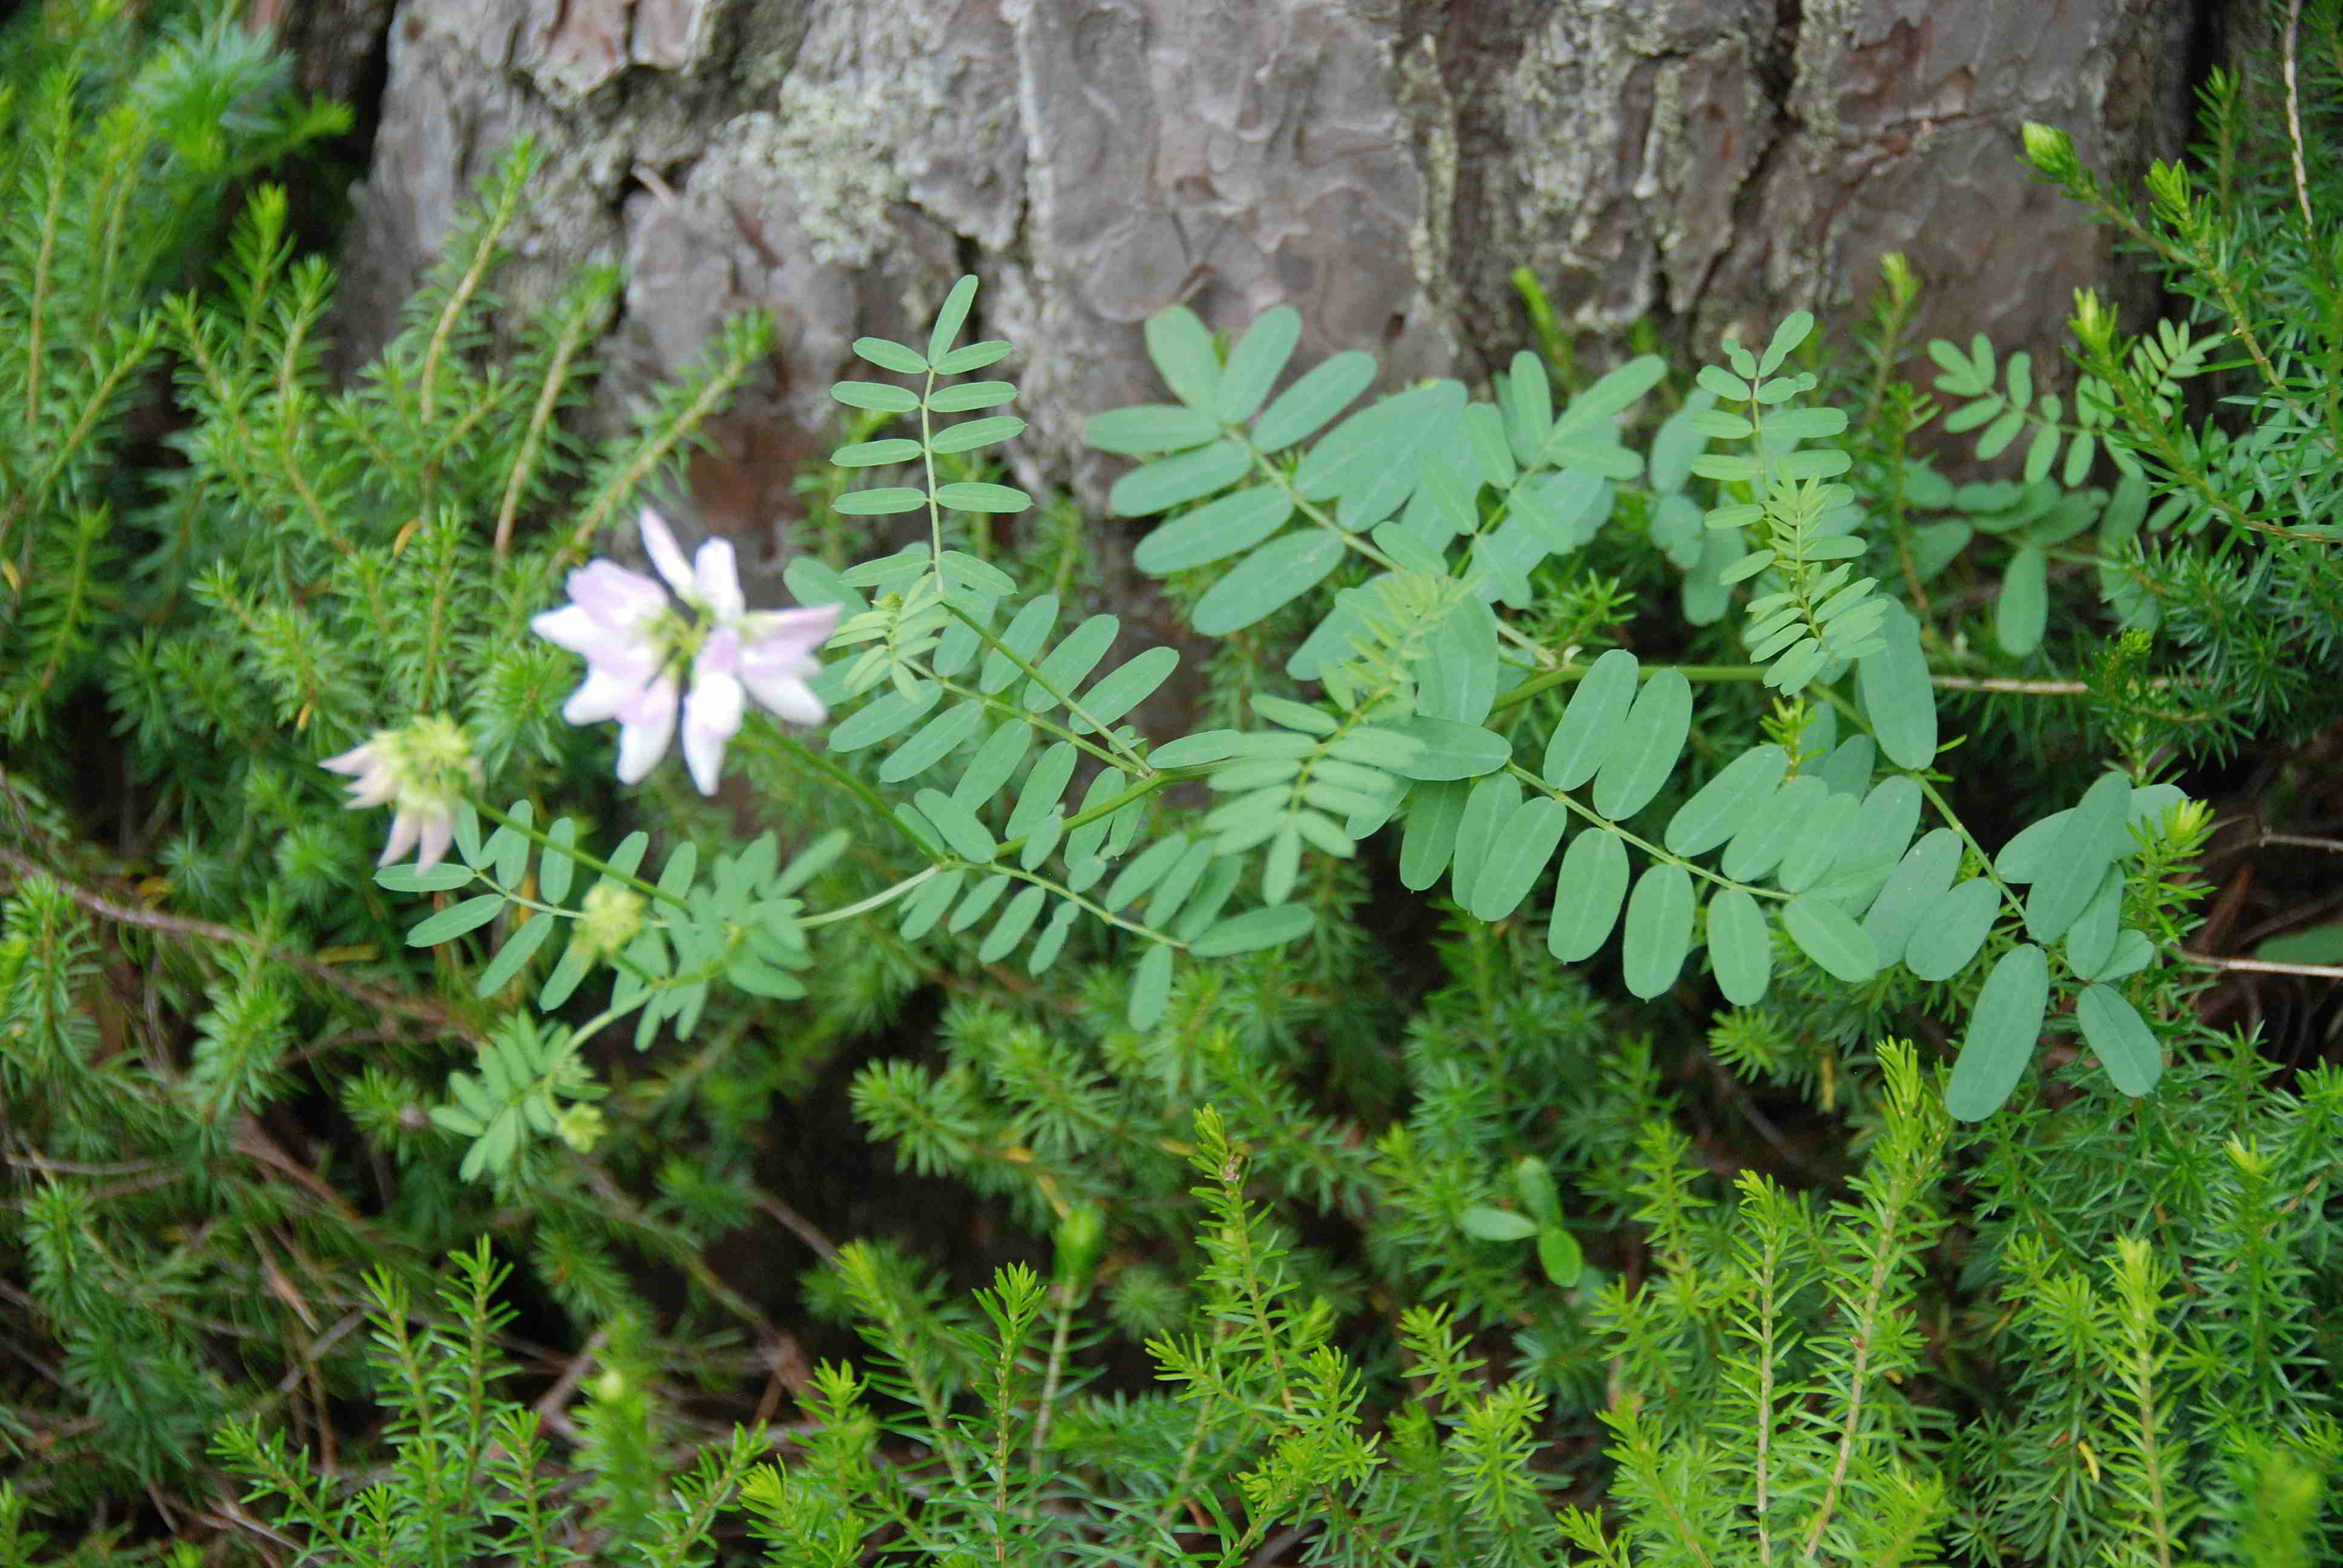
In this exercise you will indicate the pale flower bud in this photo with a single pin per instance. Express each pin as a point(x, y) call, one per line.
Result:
point(580, 1126)
point(2093, 322)
point(2048, 148)
point(423, 772)
point(612, 917)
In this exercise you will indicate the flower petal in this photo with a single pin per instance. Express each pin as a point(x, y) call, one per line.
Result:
point(574, 628)
point(374, 780)
point(666, 555)
point(403, 829)
point(712, 717)
point(720, 655)
point(717, 575)
point(615, 595)
point(439, 832)
point(645, 725)
point(788, 634)
point(356, 760)
point(786, 696)
point(605, 693)
point(373, 787)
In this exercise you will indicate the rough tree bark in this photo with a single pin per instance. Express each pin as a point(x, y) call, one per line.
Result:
point(1383, 164)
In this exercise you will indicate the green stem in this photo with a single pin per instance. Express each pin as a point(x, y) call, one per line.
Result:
point(993, 703)
point(1052, 1374)
point(1107, 808)
point(927, 464)
point(1708, 673)
point(864, 906)
point(1317, 515)
point(1943, 808)
point(1654, 850)
point(1127, 760)
point(649, 889)
point(856, 788)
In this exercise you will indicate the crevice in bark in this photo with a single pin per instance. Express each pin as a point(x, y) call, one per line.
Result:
point(369, 84)
point(1778, 62)
point(1777, 69)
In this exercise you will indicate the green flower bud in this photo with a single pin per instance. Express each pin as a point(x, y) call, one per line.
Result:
point(439, 767)
point(2093, 322)
point(2049, 149)
point(580, 1126)
point(1080, 1238)
point(1895, 272)
point(612, 916)
point(2167, 187)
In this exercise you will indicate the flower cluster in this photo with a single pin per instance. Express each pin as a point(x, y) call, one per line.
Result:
point(641, 652)
point(638, 647)
point(421, 771)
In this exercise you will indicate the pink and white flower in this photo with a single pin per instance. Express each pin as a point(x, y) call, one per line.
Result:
point(423, 770)
point(639, 649)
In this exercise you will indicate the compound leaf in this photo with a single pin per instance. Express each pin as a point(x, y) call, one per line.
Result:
point(2003, 1029)
point(1524, 843)
point(1892, 683)
point(1828, 935)
point(1589, 729)
point(1658, 929)
point(1951, 929)
point(1266, 580)
point(1264, 928)
point(2128, 1048)
point(1740, 949)
point(1648, 747)
point(1183, 351)
point(1720, 808)
point(2022, 609)
point(1317, 396)
point(1588, 892)
point(1237, 521)
point(1256, 360)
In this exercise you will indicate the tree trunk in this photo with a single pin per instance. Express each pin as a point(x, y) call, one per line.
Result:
point(1381, 165)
